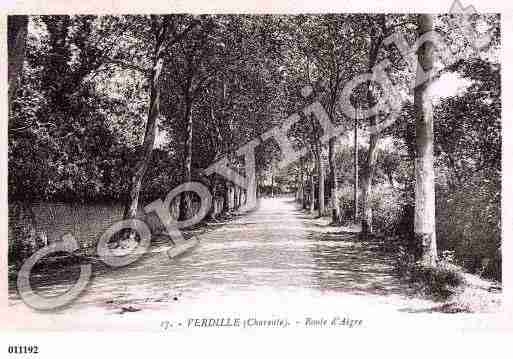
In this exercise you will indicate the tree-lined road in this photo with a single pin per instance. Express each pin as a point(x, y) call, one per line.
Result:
point(120, 109)
point(273, 259)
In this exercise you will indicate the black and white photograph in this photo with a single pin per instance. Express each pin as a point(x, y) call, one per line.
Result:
point(171, 172)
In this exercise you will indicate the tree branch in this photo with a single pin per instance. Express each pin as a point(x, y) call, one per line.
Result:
point(180, 36)
point(127, 65)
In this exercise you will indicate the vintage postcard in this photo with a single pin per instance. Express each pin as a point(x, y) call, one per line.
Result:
point(191, 170)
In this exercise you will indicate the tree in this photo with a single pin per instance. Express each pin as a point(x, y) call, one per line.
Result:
point(355, 171)
point(16, 38)
point(331, 43)
point(424, 225)
point(376, 36)
point(24, 226)
point(380, 27)
point(165, 35)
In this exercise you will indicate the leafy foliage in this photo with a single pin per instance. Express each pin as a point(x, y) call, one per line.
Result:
point(79, 115)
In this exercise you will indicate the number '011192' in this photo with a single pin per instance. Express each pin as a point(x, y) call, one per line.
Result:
point(23, 349)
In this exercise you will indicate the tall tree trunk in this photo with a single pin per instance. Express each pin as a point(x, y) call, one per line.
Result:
point(370, 165)
point(370, 162)
point(304, 177)
point(186, 201)
point(251, 191)
point(272, 183)
point(226, 203)
point(335, 212)
point(232, 197)
point(17, 27)
point(301, 192)
point(306, 195)
point(356, 184)
point(236, 194)
point(212, 213)
point(312, 193)
point(151, 124)
point(251, 175)
point(424, 225)
point(320, 170)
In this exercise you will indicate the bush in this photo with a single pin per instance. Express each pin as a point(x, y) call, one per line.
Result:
point(386, 203)
point(387, 210)
point(467, 220)
point(468, 224)
point(438, 282)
